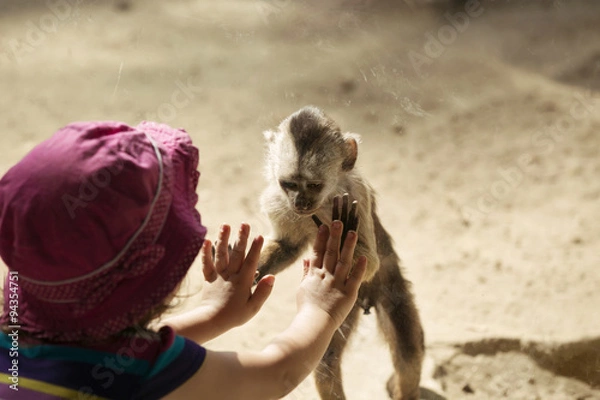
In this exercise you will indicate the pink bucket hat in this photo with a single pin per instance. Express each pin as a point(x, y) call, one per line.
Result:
point(100, 223)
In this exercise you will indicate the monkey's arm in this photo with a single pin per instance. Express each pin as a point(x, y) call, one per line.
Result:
point(289, 236)
point(366, 249)
point(367, 236)
point(279, 253)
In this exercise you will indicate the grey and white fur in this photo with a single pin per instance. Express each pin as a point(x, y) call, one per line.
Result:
point(309, 162)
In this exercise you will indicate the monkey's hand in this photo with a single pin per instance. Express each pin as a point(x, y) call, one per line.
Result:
point(348, 216)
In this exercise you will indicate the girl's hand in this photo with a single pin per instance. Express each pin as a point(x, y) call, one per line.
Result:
point(227, 294)
point(330, 282)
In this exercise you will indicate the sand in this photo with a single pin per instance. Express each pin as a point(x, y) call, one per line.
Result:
point(480, 133)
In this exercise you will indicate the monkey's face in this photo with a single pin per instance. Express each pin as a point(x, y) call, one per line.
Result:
point(305, 196)
point(307, 156)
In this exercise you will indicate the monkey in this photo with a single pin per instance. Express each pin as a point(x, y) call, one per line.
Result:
point(309, 163)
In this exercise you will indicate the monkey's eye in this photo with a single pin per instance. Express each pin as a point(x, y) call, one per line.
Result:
point(315, 186)
point(288, 185)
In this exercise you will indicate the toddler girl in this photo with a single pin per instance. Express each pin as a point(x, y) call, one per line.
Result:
point(98, 228)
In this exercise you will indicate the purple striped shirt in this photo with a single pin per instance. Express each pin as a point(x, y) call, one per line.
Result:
point(146, 366)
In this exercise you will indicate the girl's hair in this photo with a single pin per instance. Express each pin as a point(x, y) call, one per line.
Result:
point(142, 326)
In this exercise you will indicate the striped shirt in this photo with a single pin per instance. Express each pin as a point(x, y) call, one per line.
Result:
point(138, 367)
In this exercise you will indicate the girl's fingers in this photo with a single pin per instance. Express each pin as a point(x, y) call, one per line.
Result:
point(208, 266)
point(236, 257)
point(250, 264)
point(333, 245)
point(261, 293)
point(222, 253)
point(344, 263)
point(319, 246)
point(305, 268)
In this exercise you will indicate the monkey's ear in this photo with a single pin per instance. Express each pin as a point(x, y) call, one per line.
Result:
point(351, 153)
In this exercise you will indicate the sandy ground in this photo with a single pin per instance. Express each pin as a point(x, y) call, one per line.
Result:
point(482, 141)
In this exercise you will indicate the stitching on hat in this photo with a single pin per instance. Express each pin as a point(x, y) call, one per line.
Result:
point(127, 245)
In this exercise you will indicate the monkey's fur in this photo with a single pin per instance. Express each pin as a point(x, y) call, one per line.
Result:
point(309, 161)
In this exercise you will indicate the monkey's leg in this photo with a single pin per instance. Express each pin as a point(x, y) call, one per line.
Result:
point(399, 320)
point(328, 375)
